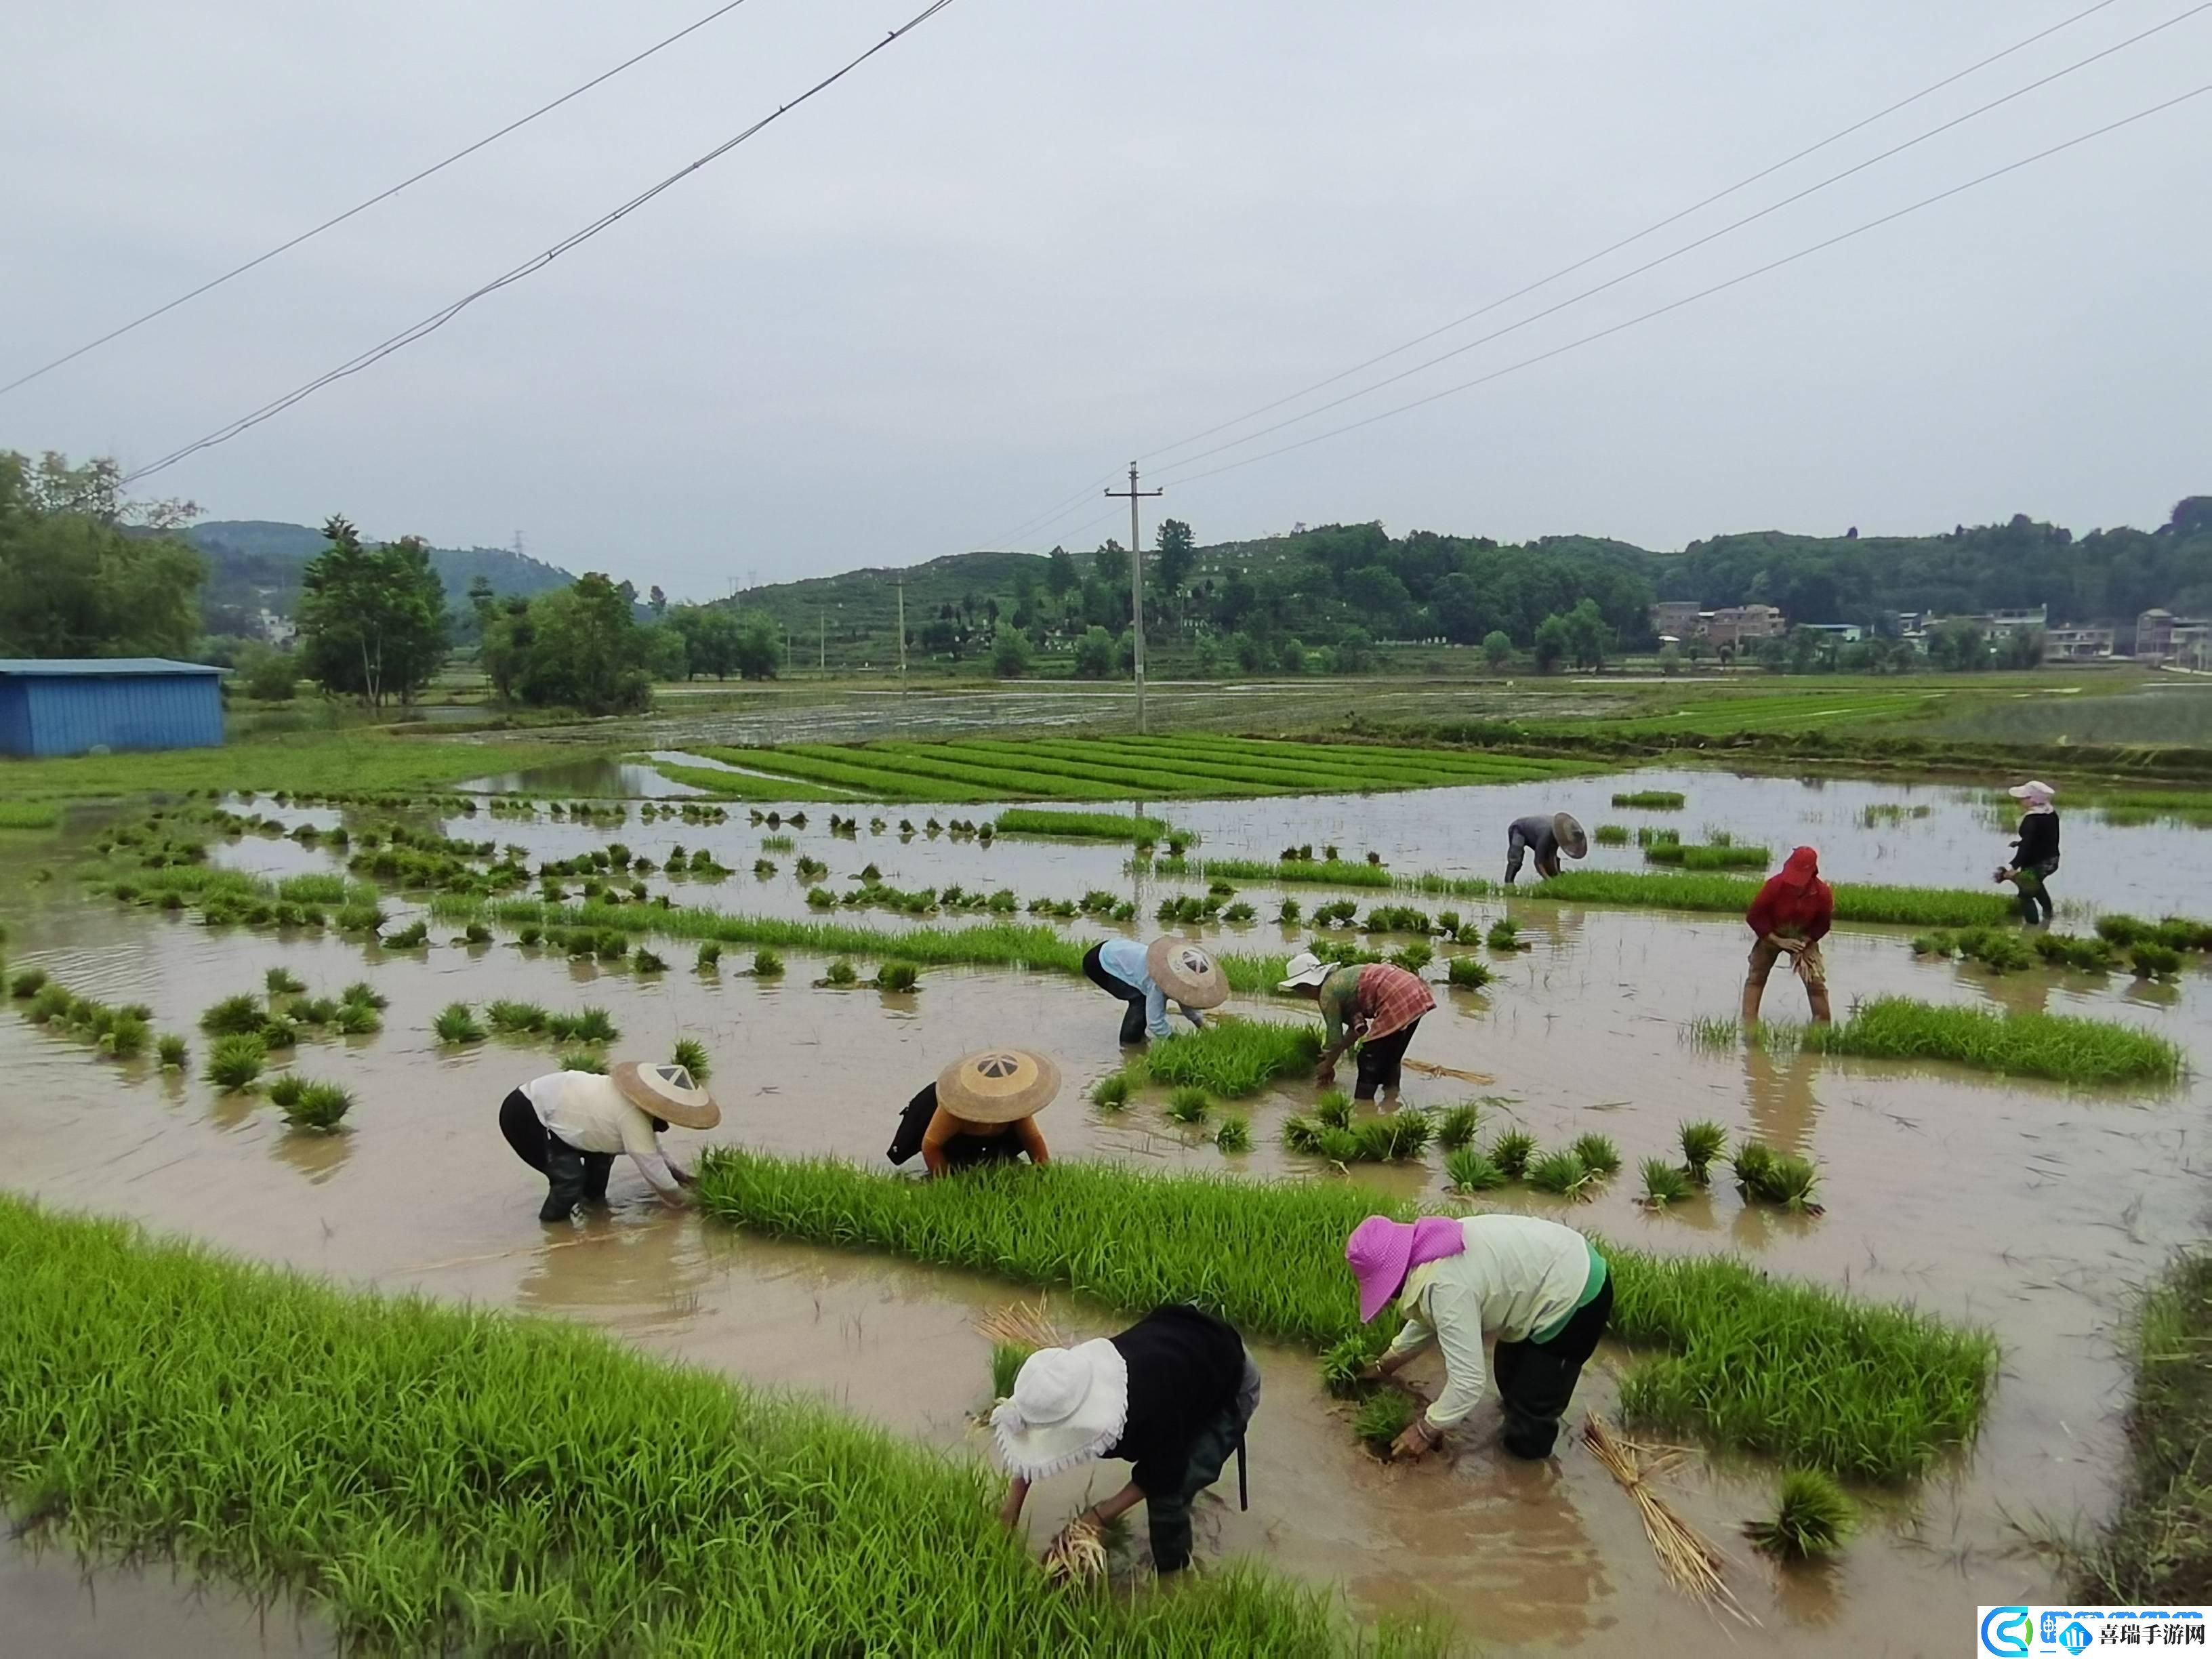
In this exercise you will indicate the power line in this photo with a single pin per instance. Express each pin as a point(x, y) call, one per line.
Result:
point(444, 314)
point(1626, 241)
point(213, 282)
point(1690, 246)
point(1716, 288)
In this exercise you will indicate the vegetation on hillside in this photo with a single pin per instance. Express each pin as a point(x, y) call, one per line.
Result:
point(87, 572)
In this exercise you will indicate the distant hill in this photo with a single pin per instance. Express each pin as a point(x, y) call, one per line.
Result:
point(856, 611)
point(254, 563)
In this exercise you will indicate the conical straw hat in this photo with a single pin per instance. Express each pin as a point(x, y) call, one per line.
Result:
point(997, 1085)
point(1187, 973)
point(666, 1092)
point(1572, 842)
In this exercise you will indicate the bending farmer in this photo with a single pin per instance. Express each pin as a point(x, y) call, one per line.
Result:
point(1146, 977)
point(568, 1127)
point(982, 1109)
point(1376, 1005)
point(1171, 1395)
point(1788, 917)
point(1539, 1290)
point(2035, 852)
point(1547, 837)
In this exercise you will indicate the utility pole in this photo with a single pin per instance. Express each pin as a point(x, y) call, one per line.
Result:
point(1136, 584)
point(901, 629)
point(822, 659)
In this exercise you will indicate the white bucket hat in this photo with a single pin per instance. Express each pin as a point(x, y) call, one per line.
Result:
point(1069, 1405)
point(1303, 969)
point(2033, 789)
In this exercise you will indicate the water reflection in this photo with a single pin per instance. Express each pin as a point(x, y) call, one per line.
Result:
point(317, 1156)
point(1778, 1092)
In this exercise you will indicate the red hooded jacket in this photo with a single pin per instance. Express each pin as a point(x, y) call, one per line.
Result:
point(1794, 901)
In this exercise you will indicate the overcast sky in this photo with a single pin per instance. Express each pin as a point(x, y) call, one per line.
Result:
point(968, 283)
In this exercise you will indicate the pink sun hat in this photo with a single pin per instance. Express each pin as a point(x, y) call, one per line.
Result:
point(1382, 1252)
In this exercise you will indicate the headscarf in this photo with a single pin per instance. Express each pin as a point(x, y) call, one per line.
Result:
point(1382, 1252)
point(2035, 794)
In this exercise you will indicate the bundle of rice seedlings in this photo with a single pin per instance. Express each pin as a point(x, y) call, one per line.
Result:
point(1077, 1555)
point(1187, 1104)
point(596, 1025)
point(1511, 1151)
point(319, 1107)
point(1344, 1361)
point(1289, 914)
point(1812, 1518)
point(583, 1060)
point(1413, 957)
point(1505, 935)
point(1234, 1134)
point(284, 1089)
point(1754, 1163)
point(283, 982)
point(1466, 974)
point(28, 984)
point(314, 1010)
point(457, 1022)
point(1111, 1092)
point(767, 965)
point(124, 1039)
point(899, 977)
point(529, 937)
point(1333, 1107)
point(1303, 1134)
point(840, 973)
point(1456, 1125)
point(361, 992)
point(232, 1017)
point(1395, 1137)
point(357, 1019)
point(1691, 1564)
point(235, 1061)
point(709, 957)
point(1663, 1183)
point(1387, 1414)
point(476, 934)
point(1702, 1142)
point(1598, 1154)
point(1470, 1169)
point(1007, 1360)
point(173, 1052)
point(691, 1054)
point(414, 936)
point(2155, 961)
point(1562, 1174)
point(1773, 1178)
point(276, 1034)
point(648, 962)
point(1610, 835)
point(515, 1018)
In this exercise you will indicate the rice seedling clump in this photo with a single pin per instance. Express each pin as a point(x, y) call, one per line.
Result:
point(1455, 1125)
point(235, 1061)
point(1187, 1104)
point(1511, 1153)
point(1812, 1518)
point(1467, 974)
point(1598, 1155)
point(319, 1107)
point(1110, 1093)
point(1234, 1134)
point(2062, 1047)
point(1702, 1142)
point(1663, 1183)
point(767, 965)
point(691, 1054)
point(456, 1023)
point(1561, 1174)
point(1470, 1169)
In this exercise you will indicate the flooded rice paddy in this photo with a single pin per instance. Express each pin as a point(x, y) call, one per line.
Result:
point(2027, 1207)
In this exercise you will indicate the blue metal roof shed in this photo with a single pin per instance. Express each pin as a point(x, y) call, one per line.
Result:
point(69, 705)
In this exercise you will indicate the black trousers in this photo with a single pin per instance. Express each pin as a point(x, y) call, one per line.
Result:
point(1536, 1380)
point(572, 1177)
point(1133, 1016)
point(1382, 1062)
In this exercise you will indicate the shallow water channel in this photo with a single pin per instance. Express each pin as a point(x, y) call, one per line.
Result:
point(2027, 1207)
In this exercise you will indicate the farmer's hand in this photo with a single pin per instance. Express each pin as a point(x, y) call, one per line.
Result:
point(1324, 1074)
point(1413, 1445)
point(684, 1178)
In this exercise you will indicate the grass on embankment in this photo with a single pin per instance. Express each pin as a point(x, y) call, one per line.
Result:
point(2158, 1546)
point(322, 763)
point(444, 1479)
point(1766, 1366)
point(1919, 907)
point(2059, 1047)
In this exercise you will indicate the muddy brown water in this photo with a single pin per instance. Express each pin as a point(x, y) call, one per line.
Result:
point(2029, 1208)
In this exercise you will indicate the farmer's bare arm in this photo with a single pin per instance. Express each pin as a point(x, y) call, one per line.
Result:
point(1018, 1492)
point(1109, 1509)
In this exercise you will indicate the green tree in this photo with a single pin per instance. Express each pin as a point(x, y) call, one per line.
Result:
point(667, 656)
point(758, 652)
point(710, 639)
point(1353, 651)
point(1061, 578)
point(508, 633)
point(1094, 654)
point(1554, 643)
point(371, 619)
point(85, 572)
point(1291, 657)
point(1176, 555)
point(1497, 648)
point(1589, 638)
point(586, 651)
point(267, 674)
point(1010, 654)
point(1670, 658)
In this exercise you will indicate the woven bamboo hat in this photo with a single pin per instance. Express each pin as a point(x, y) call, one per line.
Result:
point(666, 1092)
point(997, 1085)
point(1572, 842)
point(1186, 973)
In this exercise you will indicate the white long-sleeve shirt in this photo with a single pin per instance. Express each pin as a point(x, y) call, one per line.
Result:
point(1517, 1276)
point(1126, 960)
point(589, 1113)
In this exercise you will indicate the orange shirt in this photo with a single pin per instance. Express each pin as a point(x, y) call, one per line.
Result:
point(944, 1125)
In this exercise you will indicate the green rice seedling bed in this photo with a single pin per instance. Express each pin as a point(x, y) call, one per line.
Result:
point(741, 785)
point(1321, 872)
point(1336, 770)
point(1767, 1365)
point(545, 1490)
point(1471, 766)
point(1081, 768)
point(859, 781)
point(1689, 855)
point(1090, 826)
point(1230, 1057)
point(2062, 1047)
point(1658, 800)
point(1918, 907)
point(925, 770)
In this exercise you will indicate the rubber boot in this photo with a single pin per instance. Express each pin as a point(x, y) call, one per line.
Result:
point(1752, 992)
point(1817, 995)
point(566, 1180)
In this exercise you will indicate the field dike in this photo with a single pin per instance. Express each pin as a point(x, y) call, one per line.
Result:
point(440, 1479)
point(1787, 1369)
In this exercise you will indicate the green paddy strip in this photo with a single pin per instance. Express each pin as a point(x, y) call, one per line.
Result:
point(1773, 1366)
point(439, 1479)
point(1087, 769)
point(2059, 1047)
point(1212, 771)
point(1082, 826)
point(1322, 772)
point(867, 783)
point(1006, 782)
point(1918, 907)
point(737, 785)
point(1324, 873)
point(994, 944)
point(1473, 766)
